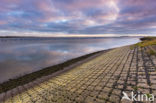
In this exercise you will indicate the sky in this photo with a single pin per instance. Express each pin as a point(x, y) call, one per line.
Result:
point(77, 17)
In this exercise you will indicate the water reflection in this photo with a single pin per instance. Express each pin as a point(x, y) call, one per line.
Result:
point(21, 56)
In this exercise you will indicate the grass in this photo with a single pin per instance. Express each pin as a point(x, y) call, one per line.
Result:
point(148, 95)
point(132, 47)
point(13, 83)
point(148, 38)
point(151, 52)
point(147, 41)
point(136, 87)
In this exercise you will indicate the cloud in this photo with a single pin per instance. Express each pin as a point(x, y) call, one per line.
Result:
point(79, 16)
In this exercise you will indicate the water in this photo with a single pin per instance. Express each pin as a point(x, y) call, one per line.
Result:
point(19, 56)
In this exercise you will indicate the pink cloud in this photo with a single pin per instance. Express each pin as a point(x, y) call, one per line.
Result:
point(3, 22)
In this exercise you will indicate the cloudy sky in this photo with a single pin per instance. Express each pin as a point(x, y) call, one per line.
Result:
point(77, 17)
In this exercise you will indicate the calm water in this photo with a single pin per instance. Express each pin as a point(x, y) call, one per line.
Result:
point(20, 56)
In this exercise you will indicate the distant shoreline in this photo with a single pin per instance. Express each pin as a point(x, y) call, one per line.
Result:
point(66, 37)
